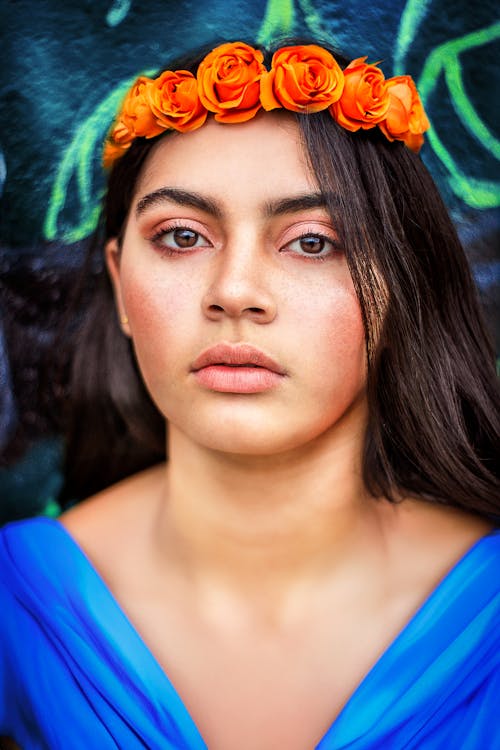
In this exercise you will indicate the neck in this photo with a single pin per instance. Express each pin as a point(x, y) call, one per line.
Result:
point(276, 521)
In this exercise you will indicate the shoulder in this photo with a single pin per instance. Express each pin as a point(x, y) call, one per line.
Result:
point(426, 542)
point(29, 584)
point(433, 535)
point(122, 516)
point(61, 632)
point(121, 503)
point(37, 559)
point(22, 545)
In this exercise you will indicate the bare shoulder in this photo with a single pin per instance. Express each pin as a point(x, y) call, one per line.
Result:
point(118, 518)
point(120, 498)
point(432, 538)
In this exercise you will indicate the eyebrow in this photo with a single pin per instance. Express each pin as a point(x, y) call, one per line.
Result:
point(288, 205)
point(180, 197)
point(295, 203)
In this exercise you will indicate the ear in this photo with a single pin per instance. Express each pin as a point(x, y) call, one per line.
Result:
point(113, 258)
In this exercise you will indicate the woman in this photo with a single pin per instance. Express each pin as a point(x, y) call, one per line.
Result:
point(317, 563)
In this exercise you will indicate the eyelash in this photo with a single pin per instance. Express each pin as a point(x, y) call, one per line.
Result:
point(334, 244)
point(156, 238)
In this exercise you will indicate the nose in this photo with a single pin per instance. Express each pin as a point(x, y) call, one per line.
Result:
point(241, 286)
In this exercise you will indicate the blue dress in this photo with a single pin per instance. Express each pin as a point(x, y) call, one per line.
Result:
point(74, 673)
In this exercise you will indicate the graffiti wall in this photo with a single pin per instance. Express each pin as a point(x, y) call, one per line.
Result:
point(66, 67)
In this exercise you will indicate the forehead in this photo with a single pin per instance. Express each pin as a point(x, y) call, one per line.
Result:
point(264, 156)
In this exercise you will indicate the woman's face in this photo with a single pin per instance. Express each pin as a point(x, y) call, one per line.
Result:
point(240, 304)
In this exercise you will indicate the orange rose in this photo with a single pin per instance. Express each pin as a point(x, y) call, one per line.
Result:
point(135, 118)
point(406, 119)
point(112, 152)
point(365, 99)
point(174, 101)
point(228, 81)
point(305, 78)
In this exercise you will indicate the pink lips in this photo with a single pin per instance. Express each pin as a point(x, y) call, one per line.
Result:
point(236, 368)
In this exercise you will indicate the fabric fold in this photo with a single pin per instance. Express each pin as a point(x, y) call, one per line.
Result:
point(75, 672)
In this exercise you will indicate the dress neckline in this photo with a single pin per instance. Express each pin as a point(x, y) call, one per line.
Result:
point(431, 602)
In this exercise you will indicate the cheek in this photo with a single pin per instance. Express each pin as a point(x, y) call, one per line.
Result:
point(336, 336)
point(160, 312)
point(330, 312)
point(343, 326)
point(150, 300)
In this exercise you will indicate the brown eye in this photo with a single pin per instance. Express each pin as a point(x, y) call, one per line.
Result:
point(312, 244)
point(185, 237)
point(177, 239)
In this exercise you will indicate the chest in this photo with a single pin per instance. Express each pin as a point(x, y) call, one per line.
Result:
point(250, 687)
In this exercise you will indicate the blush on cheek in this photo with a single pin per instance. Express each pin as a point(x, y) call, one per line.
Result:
point(343, 331)
point(152, 306)
point(162, 318)
point(345, 326)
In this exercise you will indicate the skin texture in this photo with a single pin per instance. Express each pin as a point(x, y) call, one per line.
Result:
point(249, 282)
point(260, 574)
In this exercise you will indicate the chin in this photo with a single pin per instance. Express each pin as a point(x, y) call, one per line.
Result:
point(243, 441)
point(259, 428)
point(254, 440)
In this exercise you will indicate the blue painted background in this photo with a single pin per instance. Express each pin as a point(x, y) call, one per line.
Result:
point(66, 66)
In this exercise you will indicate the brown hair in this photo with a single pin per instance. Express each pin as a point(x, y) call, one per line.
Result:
point(434, 419)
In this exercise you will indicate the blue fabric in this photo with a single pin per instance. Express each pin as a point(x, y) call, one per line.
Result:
point(75, 673)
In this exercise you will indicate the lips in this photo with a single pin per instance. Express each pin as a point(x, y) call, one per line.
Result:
point(238, 355)
point(236, 368)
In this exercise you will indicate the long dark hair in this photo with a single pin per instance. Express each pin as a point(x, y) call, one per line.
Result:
point(433, 428)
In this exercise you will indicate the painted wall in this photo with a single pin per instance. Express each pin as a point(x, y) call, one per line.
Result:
point(66, 66)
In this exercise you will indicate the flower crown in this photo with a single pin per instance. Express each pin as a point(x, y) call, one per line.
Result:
point(233, 84)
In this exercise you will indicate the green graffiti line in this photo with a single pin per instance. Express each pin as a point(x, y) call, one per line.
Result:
point(77, 164)
point(445, 60)
point(117, 12)
point(78, 160)
point(466, 111)
point(411, 18)
point(313, 19)
point(278, 21)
